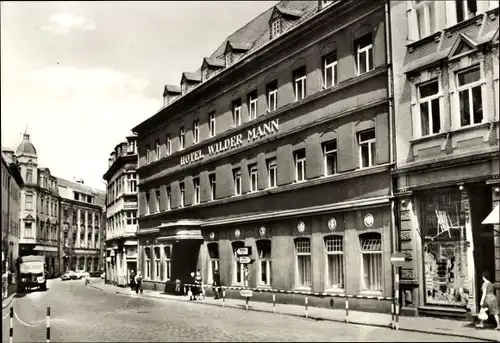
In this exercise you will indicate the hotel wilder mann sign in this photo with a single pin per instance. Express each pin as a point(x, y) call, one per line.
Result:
point(232, 142)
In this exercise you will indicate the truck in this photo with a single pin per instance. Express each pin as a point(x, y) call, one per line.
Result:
point(32, 273)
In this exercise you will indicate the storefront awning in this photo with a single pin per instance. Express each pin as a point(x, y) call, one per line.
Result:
point(493, 217)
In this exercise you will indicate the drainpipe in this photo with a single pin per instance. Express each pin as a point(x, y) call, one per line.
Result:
point(392, 132)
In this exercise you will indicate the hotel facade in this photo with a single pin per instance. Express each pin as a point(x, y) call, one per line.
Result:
point(121, 213)
point(281, 141)
point(446, 96)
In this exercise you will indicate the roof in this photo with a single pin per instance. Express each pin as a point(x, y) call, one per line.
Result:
point(172, 89)
point(26, 147)
point(213, 62)
point(79, 187)
point(193, 77)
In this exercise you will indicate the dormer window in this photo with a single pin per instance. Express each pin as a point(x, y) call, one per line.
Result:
point(325, 3)
point(275, 28)
point(229, 58)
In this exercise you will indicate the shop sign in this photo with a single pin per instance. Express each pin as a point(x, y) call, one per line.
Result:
point(369, 220)
point(247, 293)
point(301, 227)
point(332, 224)
point(253, 134)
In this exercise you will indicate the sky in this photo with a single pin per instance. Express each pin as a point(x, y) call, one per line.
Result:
point(78, 76)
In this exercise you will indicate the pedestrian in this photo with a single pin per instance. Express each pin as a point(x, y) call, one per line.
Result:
point(132, 280)
point(489, 300)
point(192, 288)
point(217, 286)
point(138, 283)
point(5, 284)
point(198, 283)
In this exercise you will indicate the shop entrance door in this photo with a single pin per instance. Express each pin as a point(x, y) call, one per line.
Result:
point(185, 258)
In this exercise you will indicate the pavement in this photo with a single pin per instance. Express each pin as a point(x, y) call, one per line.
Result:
point(98, 314)
point(429, 325)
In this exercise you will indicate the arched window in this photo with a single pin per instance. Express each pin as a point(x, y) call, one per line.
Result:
point(213, 254)
point(264, 266)
point(334, 248)
point(371, 261)
point(239, 268)
point(303, 271)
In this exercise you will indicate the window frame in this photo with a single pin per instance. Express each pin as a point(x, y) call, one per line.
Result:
point(272, 172)
point(363, 287)
point(298, 284)
point(148, 202)
point(157, 150)
point(158, 197)
point(196, 131)
point(158, 268)
point(197, 191)
point(182, 138)
point(369, 142)
point(236, 112)
point(333, 66)
point(300, 78)
point(272, 96)
point(237, 181)
point(169, 198)
point(168, 143)
point(428, 19)
point(268, 264)
point(328, 285)
point(302, 162)
point(468, 88)
point(327, 153)
point(147, 261)
point(148, 153)
point(276, 28)
point(253, 172)
point(211, 125)
point(26, 202)
point(212, 261)
point(167, 262)
point(253, 99)
point(368, 51)
point(213, 184)
point(237, 265)
point(182, 191)
point(29, 175)
point(428, 101)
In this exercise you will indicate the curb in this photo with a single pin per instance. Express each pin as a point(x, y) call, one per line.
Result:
point(6, 302)
point(433, 332)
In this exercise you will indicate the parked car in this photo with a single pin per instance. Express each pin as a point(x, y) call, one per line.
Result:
point(95, 274)
point(81, 274)
point(66, 276)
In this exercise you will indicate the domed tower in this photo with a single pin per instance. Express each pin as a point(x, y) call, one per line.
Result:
point(27, 160)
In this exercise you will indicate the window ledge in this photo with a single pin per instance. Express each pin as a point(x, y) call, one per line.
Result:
point(264, 287)
point(302, 289)
point(462, 24)
point(415, 44)
point(428, 138)
point(335, 290)
point(371, 293)
point(472, 127)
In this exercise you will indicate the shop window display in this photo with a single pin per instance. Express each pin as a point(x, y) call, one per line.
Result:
point(445, 248)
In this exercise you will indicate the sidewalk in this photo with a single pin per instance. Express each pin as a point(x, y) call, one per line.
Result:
point(416, 324)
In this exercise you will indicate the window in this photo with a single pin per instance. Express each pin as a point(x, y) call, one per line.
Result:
point(237, 181)
point(157, 263)
point(213, 254)
point(29, 176)
point(42, 204)
point(254, 174)
point(275, 28)
point(147, 155)
point(272, 96)
point(252, 105)
point(237, 112)
point(371, 265)
point(229, 59)
point(29, 202)
point(299, 79)
point(131, 183)
point(182, 138)
point(157, 194)
point(334, 262)
point(167, 267)
point(147, 260)
point(28, 231)
point(211, 179)
point(465, 9)
point(330, 70)
point(303, 262)
point(300, 165)
point(426, 17)
point(131, 218)
point(470, 96)
point(364, 49)
point(196, 131)
point(147, 203)
point(196, 185)
point(272, 173)
point(211, 124)
point(183, 194)
point(157, 149)
point(264, 266)
point(169, 199)
point(428, 98)
point(169, 145)
point(330, 158)
point(239, 268)
point(366, 148)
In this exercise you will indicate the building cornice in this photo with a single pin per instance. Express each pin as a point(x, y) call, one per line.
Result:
point(285, 41)
point(120, 161)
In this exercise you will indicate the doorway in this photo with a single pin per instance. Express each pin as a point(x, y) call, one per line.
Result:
point(185, 259)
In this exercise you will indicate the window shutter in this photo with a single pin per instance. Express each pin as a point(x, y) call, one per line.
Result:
point(382, 138)
point(163, 198)
point(142, 203)
point(204, 187)
point(262, 171)
point(152, 201)
point(245, 177)
point(175, 194)
point(189, 190)
point(451, 13)
point(285, 163)
point(313, 157)
point(224, 178)
point(347, 148)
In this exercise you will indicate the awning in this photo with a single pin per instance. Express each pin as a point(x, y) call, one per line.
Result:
point(493, 217)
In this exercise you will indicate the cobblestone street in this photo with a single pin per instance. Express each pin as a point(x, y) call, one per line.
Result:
point(79, 313)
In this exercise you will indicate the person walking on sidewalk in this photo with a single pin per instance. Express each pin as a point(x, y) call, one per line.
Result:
point(138, 283)
point(132, 280)
point(489, 300)
point(198, 283)
point(217, 289)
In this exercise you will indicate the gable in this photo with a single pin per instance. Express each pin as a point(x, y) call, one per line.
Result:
point(275, 15)
point(29, 218)
point(462, 46)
